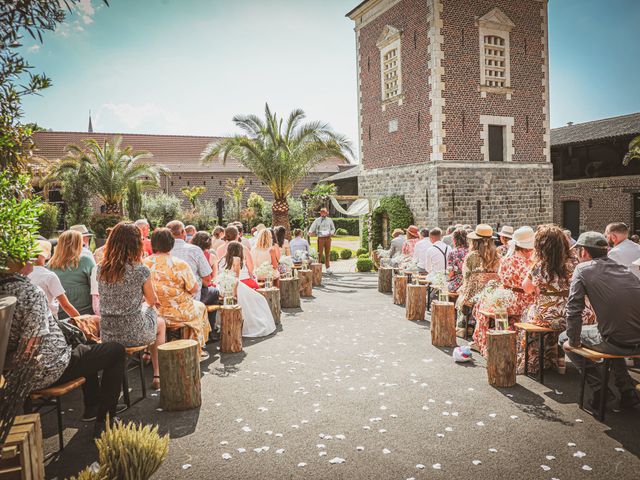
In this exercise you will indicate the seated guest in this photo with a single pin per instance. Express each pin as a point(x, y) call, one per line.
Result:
point(420, 250)
point(127, 297)
point(231, 235)
point(281, 240)
point(175, 286)
point(144, 228)
point(299, 244)
point(548, 281)
point(59, 363)
point(455, 259)
point(245, 241)
point(255, 231)
point(257, 317)
point(195, 258)
point(413, 237)
point(264, 252)
point(86, 238)
point(512, 272)
point(74, 271)
point(217, 238)
point(436, 254)
point(190, 231)
point(448, 238)
point(623, 250)
point(480, 266)
point(504, 235)
point(98, 255)
point(396, 244)
point(614, 293)
point(50, 283)
point(209, 295)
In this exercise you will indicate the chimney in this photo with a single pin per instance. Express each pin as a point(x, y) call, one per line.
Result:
point(90, 128)
point(569, 124)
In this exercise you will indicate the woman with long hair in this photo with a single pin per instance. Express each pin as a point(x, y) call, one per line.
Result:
point(264, 252)
point(175, 284)
point(257, 316)
point(548, 281)
point(217, 237)
point(74, 271)
point(455, 259)
point(281, 239)
point(127, 297)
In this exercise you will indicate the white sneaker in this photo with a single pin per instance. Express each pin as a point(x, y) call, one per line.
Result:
point(328, 271)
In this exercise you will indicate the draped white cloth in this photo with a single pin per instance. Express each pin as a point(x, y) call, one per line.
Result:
point(357, 209)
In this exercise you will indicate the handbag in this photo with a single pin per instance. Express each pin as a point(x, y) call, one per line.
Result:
point(72, 334)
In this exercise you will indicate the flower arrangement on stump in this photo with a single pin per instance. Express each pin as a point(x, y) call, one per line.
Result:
point(227, 283)
point(266, 271)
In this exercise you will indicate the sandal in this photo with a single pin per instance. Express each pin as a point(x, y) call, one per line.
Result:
point(156, 382)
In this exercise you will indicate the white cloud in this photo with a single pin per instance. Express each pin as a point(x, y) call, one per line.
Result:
point(33, 48)
point(86, 7)
point(147, 117)
point(82, 14)
point(87, 19)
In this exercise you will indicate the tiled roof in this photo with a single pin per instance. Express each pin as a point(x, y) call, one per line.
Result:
point(348, 173)
point(613, 127)
point(178, 153)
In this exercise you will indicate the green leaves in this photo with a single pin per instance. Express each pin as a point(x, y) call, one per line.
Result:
point(634, 151)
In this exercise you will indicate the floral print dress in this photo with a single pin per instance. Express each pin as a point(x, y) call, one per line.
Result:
point(474, 278)
point(409, 246)
point(512, 272)
point(455, 259)
point(548, 310)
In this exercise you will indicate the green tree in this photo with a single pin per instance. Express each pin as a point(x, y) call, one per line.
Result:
point(134, 200)
point(193, 194)
point(109, 170)
point(234, 191)
point(279, 153)
point(634, 151)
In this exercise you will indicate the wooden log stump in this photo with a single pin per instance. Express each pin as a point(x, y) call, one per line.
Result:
point(289, 293)
point(306, 283)
point(231, 329)
point(501, 358)
point(416, 302)
point(273, 299)
point(385, 279)
point(316, 269)
point(443, 324)
point(179, 363)
point(399, 289)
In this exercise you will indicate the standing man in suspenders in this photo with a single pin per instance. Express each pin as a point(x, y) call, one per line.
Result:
point(436, 260)
point(323, 227)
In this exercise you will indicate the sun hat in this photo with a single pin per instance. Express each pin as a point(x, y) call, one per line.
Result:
point(82, 229)
point(506, 231)
point(592, 240)
point(524, 237)
point(413, 231)
point(482, 231)
point(44, 248)
point(396, 232)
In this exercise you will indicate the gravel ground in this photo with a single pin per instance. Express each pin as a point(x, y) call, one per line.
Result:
point(350, 389)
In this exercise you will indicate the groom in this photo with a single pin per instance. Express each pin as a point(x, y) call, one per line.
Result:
point(323, 227)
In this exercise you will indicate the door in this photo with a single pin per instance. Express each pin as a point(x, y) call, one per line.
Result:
point(571, 216)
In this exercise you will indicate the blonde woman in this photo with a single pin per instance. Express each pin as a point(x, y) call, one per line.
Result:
point(74, 271)
point(264, 251)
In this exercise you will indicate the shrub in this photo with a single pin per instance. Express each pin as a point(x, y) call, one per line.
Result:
point(364, 255)
point(364, 264)
point(341, 231)
point(161, 208)
point(77, 198)
point(351, 225)
point(134, 200)
point(399, 214)
point(362, 251)
point(48, 219)
point(101, 221)
point(333, 255)
point(346, 254)
point(203, 217)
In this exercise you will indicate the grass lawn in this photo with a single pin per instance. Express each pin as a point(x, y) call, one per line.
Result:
point(346, 242)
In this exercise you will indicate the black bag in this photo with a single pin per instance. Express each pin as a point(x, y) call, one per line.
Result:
point(72, 334)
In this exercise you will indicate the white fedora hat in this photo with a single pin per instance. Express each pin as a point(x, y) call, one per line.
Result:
point(524, 237)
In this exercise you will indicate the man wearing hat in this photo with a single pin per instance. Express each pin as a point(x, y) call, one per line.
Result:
point(50, 283)
point(614, 294)
point(395, 248)
point(86, 238)
point(323, 227)
point(505, 235)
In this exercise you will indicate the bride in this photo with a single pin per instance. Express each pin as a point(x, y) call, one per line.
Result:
point(258, 320)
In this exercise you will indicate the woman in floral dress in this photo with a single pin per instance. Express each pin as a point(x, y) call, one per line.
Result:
point(548, 281)
point(413, 237)
point(455, 259)
point(175, 285)
point(512, 272)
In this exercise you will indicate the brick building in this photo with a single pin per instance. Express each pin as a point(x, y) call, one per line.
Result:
point(181, 156)
point(453, 104)
point(591, 186)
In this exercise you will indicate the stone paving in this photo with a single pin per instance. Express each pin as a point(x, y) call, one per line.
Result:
point(348, 388)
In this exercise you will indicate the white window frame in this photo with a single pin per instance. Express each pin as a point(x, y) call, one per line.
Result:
point(507, 136)
point(495, 24)
point(388, 41)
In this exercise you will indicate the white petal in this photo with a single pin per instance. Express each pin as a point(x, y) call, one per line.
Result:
point(269, 432)
point(386, 451)
point(382, 430)
point(579, 454)
point(320, 445)
point(493, 450)
point(302, 464)
point(238, 420)
point(476, 462)
point(480, 424)
point(437, 466)
point(448, 429)
point(322, 454)
point(280, 451)
point(579, 420)
point(440, 435)
point(513, 417)
point(278, 434)
point(360, 448)
point(587, 468)
point(618, 449)
point(246, 428)
point(571, 444)
point(242, 450)
point(337, 460)
point(224, 442)
point(492, 415)
point(546, 468)
point(550, 457)
point(420, 466)
point(226, 456)
point(188, 465)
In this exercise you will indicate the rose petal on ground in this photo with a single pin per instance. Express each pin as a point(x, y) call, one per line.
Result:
point(188, 465)
point(246, 428)
point(579, 454)
point(480, 424)
point(242, 450)
point(571, 444)
point(448, 429)
point(382, 430)
point(280, 451)
point(360, 448)
point(437, 466)
point(513, 417)
point(587, 468)
point(550, 457)
point(546, 468)
point(337, 460)
point(224, 442)
point(493, 450)
point(476, 462)
point(618, 449)
point(386, 451)
point(302, 464)
point(226, 456)
point(320, 445)
point(420, 466)
point(322, 454)
point(440, 435)
point(340, 437)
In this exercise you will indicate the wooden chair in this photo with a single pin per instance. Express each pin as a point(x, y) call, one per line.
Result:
point(52, 396)
point(605, 360)
point(134, 353)
point(538, 333)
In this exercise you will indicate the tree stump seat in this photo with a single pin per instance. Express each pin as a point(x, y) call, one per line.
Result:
point(501, 358)
point(385, 279)
point(416, 302)
point(273, 299)
point(289, 293)
point(231, 329)
point(305, 280)
point(443, 324)
point(316, 274)
point(179, 364)
point(400, 289)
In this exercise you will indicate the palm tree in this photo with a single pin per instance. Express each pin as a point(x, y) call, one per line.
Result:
point(109, 170)
point(279, 155)
point(634, 151)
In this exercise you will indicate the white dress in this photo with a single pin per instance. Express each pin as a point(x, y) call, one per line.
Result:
point(256, 314)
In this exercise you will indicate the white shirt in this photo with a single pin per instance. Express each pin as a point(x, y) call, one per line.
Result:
point(420, 251)
point(625, 253)
point(436, 257)
point(194, 256)
point(50, 284)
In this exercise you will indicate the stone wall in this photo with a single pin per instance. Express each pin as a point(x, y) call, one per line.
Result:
point(602, 201)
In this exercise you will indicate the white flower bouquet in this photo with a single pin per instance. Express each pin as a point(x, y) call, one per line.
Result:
point(496, 300)
point(437, 279)
point(265, 270)
point(285, 266)
point(226, 283)
point(313, 254)
point(384, 256)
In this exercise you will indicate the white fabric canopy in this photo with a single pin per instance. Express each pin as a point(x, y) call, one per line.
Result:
point(357, 209)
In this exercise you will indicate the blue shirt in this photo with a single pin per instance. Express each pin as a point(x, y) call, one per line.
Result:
point(298, 244)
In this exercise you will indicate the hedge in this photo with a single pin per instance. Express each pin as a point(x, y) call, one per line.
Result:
point(362, 251)
point(333, 255)
point(346, 254)
point(351, 225)
point(341, 231)
point(364, 264)
point(400, 216)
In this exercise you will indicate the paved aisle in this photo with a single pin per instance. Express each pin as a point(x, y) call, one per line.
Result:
point(350, 389)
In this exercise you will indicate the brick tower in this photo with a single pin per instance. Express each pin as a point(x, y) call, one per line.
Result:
point(453, 101)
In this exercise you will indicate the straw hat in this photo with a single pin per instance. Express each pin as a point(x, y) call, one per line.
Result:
point(482, 231)
point(524, 237)
point(82, 229)
point(506, 231)
point(413, 231)
point(396, 232)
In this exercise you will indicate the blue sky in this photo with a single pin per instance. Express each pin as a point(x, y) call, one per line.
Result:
point(187, 66)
